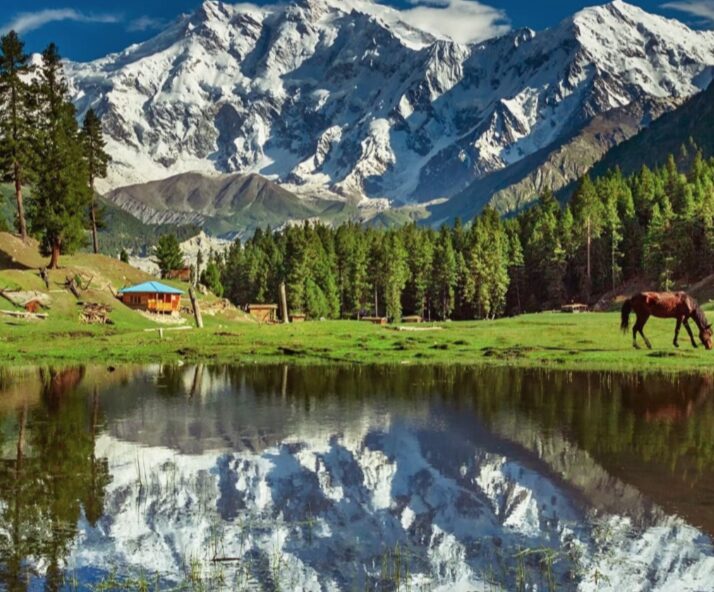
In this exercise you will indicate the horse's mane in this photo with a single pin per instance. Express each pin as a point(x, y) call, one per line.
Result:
point(700, 317)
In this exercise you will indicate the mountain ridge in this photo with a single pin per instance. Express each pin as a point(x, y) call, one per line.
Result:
point(692, 122)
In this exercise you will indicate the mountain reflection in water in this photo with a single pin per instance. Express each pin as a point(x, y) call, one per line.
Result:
point(299, 478)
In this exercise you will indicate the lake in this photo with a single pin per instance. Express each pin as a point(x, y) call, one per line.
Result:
point(354, 478)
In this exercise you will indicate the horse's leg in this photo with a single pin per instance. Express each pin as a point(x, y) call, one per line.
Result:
point(676, 332)
point(635, 329)
point(642, 326)
point(689, 330)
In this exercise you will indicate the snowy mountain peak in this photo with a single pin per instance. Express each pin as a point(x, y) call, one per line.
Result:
point(345, 97)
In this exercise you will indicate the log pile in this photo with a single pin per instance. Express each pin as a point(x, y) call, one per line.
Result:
point(94, 313)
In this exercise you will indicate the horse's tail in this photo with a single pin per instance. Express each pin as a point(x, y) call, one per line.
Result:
point(625, 315)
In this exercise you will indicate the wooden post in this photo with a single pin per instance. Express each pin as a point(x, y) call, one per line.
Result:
point(196, 309)
point(284, 303)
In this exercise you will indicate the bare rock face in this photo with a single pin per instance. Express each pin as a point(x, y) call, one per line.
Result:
point(345, 97)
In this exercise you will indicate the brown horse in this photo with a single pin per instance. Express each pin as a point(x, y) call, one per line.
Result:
point(666, 305)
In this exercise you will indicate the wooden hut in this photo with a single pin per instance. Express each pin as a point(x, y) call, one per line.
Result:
point(264, 313)
point(152, 297)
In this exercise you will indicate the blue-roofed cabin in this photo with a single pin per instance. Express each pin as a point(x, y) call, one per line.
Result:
point(152, 297)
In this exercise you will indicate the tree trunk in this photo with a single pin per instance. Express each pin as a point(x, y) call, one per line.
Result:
point(612, 264)
point(589, 241)
point(21, 224)
point(284, 303)
point(196, 308)
point(54, 259)
point(93, 213)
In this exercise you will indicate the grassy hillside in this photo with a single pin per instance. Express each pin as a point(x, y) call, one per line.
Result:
point(19, 265)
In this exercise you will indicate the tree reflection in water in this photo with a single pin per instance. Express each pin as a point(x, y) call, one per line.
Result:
point(53, 479)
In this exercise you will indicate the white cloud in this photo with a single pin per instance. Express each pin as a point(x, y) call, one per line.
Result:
point(465, 21)
point(701, 8)
point(145, 23)
point(29, 21)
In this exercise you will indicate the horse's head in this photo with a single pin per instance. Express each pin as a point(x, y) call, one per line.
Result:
point(705, 334)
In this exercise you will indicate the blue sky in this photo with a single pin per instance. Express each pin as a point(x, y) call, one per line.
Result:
point(87, 29)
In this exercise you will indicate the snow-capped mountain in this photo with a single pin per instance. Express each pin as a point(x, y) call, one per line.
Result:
point(343, 97)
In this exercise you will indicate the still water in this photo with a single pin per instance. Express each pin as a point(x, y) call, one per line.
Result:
point(293, 478)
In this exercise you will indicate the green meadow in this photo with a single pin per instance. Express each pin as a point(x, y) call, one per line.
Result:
point(572, 342)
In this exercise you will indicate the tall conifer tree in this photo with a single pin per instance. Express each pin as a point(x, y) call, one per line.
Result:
point(97, 159)
point(61, 194)
point(16, 102)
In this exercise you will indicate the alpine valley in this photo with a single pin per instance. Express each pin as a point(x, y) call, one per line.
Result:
point(338, 109)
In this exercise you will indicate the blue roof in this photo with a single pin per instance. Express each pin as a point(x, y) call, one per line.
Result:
point(152, 287)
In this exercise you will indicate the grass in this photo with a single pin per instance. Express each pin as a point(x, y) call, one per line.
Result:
point(587, 341)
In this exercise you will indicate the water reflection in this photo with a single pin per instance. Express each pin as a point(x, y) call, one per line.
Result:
point(49, 478)
point(355, 478)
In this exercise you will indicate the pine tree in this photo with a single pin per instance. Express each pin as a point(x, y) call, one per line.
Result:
point(297, 267)
point(16, 124)
point(545, 255)
point(168, 254)
point(613, 228)
point(420, 252)
point(324, 271)
point(97, 160)
point(658, 259)
point(516, 271)
point(61, 194)
point(396, 276)
point(211, 277)
point(488, 262)
point(444, 273)
point(588, 215)
point(352, 252)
